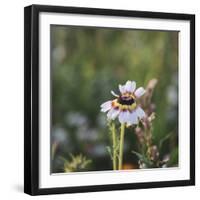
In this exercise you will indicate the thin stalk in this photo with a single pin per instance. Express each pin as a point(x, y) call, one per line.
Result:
point(121, 145)
point(114, 147)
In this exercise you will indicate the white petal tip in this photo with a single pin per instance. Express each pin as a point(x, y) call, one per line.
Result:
point(114, 94)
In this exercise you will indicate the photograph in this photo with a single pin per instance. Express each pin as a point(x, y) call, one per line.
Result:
point(109, 99)
point(114, 99)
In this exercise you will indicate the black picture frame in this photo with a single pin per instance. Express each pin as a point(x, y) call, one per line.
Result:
point(31, 98)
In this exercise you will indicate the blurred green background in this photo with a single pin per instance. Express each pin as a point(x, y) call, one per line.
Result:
point(86, 63)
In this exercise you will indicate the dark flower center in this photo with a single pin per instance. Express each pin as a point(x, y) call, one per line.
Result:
point(126, 100)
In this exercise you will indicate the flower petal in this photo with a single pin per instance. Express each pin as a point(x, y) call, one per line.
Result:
point(112, 114)
point(105, 109)
point(133, 118)
point(123, 116)
point(114, 94)
point(133, 85)
point(105, 103)
point(122, 89)
point(139, 92)
point(140, 113)
point(115, 113)
point(109, 114)
point(106, 106)
point(130, 86)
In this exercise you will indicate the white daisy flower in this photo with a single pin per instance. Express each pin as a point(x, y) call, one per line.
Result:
point(125, 106)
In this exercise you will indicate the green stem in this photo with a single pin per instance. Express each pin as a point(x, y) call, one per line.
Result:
point(122, 131)
point(114, 147)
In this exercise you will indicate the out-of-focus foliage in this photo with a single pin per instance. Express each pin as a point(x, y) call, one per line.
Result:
point(86, 63)
point(77, 163)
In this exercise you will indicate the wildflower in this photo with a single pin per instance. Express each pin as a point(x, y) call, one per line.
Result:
point(125, 106)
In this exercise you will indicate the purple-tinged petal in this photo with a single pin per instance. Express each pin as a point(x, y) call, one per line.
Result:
point(133, 118)
point(139, 92)
point(140, 112)
point(130, 86)
point(115, 113)
point(106, 106)
point(123, 117)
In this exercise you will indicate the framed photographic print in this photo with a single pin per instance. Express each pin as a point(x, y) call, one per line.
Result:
point(109, 99)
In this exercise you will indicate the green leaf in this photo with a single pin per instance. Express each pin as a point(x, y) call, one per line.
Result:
point(142, 158)
point(109, 151)
point(164, 139)
point(173, 157)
